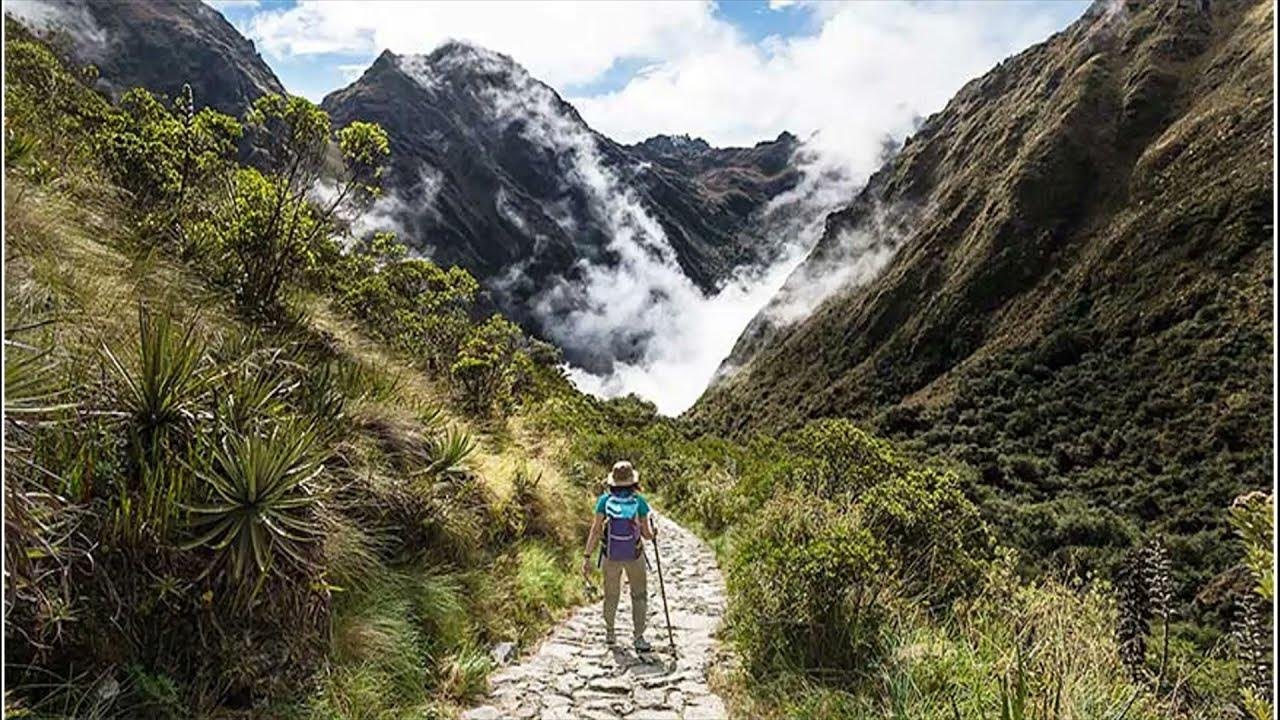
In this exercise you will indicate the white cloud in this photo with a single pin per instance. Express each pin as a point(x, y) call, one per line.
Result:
point(225, 5)
point(561, 43)
point(91, 40)
point(352, 71)
point(870, 69)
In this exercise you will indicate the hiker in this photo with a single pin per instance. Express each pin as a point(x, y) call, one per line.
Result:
point(622, 516)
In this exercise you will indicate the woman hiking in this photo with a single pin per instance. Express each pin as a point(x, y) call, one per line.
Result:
point(622, 516)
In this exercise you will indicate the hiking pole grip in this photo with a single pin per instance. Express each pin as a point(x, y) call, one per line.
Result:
point(657, 556)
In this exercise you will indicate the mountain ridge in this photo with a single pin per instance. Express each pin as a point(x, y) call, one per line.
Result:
point(494, 171)
point(1075, 299)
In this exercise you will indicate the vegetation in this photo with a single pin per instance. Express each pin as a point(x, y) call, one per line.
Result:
point(864, 583)
point(220, 496)
point(230, 418)
point(1062, 317)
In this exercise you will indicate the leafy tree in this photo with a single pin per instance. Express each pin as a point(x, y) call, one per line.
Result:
point(276, 231)
point(487, 368)
point(47, 106)
point(164, 157)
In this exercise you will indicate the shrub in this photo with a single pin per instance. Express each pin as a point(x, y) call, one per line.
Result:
point(161, 391)
point(490, 365)
point(808, 586)
point(47, 105)
point(542, 583)
point(259, 499)
point(853, 531)
point(269, 229)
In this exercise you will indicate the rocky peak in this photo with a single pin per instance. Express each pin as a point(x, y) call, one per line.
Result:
point(156, 45)
point(682, 145)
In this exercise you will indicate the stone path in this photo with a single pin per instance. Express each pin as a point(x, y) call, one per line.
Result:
point(573, 674)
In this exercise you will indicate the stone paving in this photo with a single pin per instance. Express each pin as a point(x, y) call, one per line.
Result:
point(573, 674)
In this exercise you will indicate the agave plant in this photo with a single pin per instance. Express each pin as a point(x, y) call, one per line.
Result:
point(162, 393)
point(249, 393)
point(260, 498)
point(29, 382)
point(447, 453)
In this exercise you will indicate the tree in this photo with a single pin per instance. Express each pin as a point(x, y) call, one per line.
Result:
point(170, 160)
point(486, 365)
point(284, 214)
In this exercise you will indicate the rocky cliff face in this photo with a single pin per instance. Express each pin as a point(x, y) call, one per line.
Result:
point(155, 44)
point(493, 171)
point(1063, 278)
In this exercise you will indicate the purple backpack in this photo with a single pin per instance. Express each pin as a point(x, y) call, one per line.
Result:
point(622, 528)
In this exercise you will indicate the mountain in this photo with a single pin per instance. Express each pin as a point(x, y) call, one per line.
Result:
point(494, 171)
point(156, 45)
point(1063, 278)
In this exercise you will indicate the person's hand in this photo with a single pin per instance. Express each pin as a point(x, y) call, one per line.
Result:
point(586, 567)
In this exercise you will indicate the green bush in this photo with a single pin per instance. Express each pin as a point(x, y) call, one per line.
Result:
point(854, 531)
point(808, 585)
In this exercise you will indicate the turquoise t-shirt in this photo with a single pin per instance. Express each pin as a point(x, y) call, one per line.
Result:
point(644, 506)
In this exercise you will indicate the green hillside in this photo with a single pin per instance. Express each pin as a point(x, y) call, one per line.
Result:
point(1079, 307)
point(247, 473)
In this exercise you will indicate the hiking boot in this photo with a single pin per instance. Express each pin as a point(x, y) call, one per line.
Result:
point(643, 645)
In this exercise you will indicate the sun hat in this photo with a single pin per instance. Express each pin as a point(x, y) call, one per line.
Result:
point(622, 475)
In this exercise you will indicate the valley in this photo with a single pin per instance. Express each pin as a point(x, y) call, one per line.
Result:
point(306, 402)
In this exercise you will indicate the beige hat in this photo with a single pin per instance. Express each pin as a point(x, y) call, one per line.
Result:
point(622, 475)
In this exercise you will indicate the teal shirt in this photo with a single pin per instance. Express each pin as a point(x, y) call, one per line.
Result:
point(644, 506)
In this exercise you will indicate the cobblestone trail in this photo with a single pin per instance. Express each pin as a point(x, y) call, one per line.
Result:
point(573, 674)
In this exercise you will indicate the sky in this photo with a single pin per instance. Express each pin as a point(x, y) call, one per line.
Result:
point(843, 76)
point(730, 72)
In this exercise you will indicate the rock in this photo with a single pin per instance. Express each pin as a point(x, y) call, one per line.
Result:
point(707, 707)
point(649, 714)
point(609, 685)
point(558, 650)
point(553, 700)
point(650, 698)
point(503, 652)
point(566, 684)
point(675, 699)
point(526, 711)
point(484, 712)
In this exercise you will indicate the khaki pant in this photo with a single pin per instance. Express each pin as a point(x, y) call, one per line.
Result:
point(637, 578)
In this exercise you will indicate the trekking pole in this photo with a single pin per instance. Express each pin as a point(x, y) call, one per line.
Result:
point(663, 588)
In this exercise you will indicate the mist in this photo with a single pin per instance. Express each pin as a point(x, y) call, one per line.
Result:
point(640, 305)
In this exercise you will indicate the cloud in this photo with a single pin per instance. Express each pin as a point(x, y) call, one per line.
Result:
point(352, 71)
point(91, 40)
point(562, 43)
point(870, 70)
point(225, 5)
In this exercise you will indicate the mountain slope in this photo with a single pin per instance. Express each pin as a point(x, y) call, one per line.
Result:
point(1079, 302)
point(495, 172)
point(158, 46)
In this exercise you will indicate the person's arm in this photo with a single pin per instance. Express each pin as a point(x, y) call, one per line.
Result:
point(597, 523)
point(646, 528)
